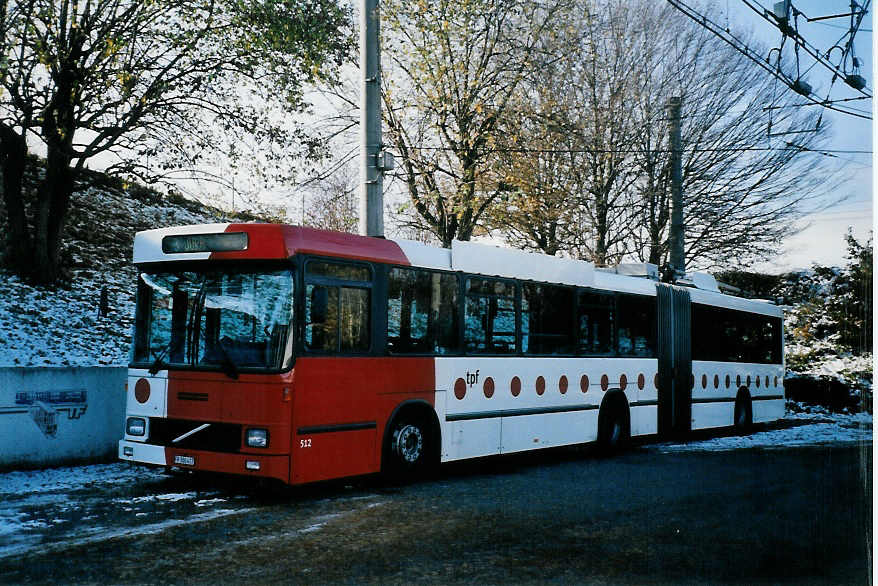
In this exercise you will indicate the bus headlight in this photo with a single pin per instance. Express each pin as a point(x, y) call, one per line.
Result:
point(136, 426)
point(257, 438)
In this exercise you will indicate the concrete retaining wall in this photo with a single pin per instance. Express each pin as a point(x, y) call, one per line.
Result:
point(50, 416)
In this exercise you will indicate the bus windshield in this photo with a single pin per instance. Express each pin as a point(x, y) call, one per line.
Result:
point(220, 320)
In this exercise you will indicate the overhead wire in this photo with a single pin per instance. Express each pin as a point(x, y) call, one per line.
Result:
point(745, 50)
point(865, 30)
point(798, 39)
point(634, 151)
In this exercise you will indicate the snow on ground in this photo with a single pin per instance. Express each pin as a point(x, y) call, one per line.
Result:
point(62, 327)
point(814, 426)
point(81, 504)
point(51, 480)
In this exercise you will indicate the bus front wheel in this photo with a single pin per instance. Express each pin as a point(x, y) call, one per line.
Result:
point(409, 449)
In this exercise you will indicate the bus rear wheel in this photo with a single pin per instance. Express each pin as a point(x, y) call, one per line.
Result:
point(743, 415)
point(614, 429)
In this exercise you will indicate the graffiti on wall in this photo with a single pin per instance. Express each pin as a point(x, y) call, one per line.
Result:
point(44, 407)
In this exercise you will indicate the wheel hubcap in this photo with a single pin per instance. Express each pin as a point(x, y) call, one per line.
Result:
point(409, 443)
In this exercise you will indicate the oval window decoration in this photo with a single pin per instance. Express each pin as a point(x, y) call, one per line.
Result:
point(142, 391)
point(541, 385)
point(583, 383)
point(641, 381)
point(488, 387)
point(562, 385)
point(515, 386)
point(623, 382)
point(605, 383)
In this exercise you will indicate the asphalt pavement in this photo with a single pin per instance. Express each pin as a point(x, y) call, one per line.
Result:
point(789, 515)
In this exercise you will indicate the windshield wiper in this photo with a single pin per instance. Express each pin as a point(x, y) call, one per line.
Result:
point(157, 363)
point(194, 326)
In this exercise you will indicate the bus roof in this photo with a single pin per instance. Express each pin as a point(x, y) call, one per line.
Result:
point(279, 241)
point(264, 242)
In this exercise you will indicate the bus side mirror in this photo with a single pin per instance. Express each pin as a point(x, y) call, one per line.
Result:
point(319, 304)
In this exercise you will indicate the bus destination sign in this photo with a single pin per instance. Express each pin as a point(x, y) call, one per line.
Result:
point(224, 242)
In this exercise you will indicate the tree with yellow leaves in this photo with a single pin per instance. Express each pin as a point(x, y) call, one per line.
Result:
point(452, 71)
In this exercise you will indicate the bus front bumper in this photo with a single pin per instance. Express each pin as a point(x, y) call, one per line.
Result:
point(243, 464)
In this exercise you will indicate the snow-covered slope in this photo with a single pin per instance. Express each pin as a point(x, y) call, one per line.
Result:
point(40, 327)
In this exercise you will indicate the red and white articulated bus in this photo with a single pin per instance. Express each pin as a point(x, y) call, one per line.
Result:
point(303, 355)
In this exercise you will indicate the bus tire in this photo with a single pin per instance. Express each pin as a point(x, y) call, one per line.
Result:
point(743, 413)
point(410, 448)
point(614, 425)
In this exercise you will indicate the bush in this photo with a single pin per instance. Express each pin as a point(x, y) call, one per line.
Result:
point(827, 392)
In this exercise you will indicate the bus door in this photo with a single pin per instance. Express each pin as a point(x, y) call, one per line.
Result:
point(674, 361)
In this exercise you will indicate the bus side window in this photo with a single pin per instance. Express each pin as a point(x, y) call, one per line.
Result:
point(444, 313)
point(337, 307)
point(354, 323)
point(489, 314)
point(321, 318)
point(706, 344)
point(728, 335)
point(636, 325)
point(776, 341)
point(595, 319)
point(546, 327)
point(319, 304)
point(421, 312)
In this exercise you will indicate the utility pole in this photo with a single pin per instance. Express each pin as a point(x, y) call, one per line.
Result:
point(371, 174)
point(677, 261)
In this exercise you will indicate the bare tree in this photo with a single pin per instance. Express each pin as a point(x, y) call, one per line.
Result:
point(579, 136)
point(138, 79)
point(602, 86)
point(539, 211)
point(606, 116)
point(541, 166)
point(742, 190)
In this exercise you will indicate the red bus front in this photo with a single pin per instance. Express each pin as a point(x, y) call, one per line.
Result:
point(214, 382)
point(211, 382)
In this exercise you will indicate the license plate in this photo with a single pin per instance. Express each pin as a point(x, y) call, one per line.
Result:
point(185, 460)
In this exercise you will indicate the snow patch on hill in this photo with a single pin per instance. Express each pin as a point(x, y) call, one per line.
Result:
point(62, 326)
